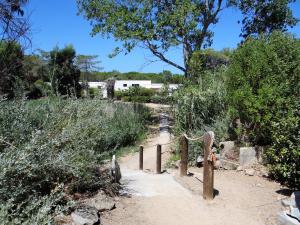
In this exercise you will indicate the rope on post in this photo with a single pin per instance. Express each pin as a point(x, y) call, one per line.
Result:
point(193, 139)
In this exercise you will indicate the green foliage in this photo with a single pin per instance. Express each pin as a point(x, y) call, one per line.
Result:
point(13, 24)
point(264, 17)
point(201, 107)
point(65, 74)
point(50, 146)
point(11, 67)
point(162, 99)
point(157, 25)
point(154, 77)
point(208, 59)
point(264, 92)
point(135, 94)
point(94, 92)
point(284, 155)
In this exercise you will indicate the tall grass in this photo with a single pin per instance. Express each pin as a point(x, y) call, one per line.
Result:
point(51, 147)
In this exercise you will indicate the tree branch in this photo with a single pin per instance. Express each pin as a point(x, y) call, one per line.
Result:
point(161, 56)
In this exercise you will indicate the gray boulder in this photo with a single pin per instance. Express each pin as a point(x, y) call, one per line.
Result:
point(228, 150)
point(293, 205)
point(101, 202)
point(85, 215)
point(247, 156)
point(250, 172)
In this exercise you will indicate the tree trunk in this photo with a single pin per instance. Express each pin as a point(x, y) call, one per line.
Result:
point(187, 52)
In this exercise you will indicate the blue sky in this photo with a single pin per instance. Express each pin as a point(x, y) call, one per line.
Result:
point(55, 22)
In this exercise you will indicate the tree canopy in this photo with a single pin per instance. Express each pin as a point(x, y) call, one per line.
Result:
point(13, 23)
point(65, 74)
point(11, 67)
point(159, 25)
point(265, 16)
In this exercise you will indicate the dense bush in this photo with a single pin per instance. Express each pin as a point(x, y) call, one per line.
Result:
point(51, 146)
point(201, 107)
point(135, 94)
point(11, 68)
point(162, 99)
point(264, 92)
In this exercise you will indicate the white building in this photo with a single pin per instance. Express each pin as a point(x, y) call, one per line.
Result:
point(101, 86)
point(121, 85)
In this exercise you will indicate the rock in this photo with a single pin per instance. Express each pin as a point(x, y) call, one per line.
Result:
point(284, 219)
point(217, 164)
point(250, 172)
point(200, 159)
point(63, 220)
point(228, 150)
point(260, 152)
point(85, 215)
point(259, 185)
point(240, 168)
point(101, 202)
point(293, 205)
point(247, 156)
point(228, 165)
point(115, 171)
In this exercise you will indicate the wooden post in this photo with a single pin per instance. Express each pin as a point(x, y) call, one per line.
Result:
point(141, 157)
point(158, 159)
point(183, 145)
point(208, 173)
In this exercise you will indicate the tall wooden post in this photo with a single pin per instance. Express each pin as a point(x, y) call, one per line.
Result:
point(208, 173)
point(158, 159)
point(141, 164)
point(183, 145)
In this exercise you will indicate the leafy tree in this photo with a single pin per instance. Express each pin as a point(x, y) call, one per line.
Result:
point(65, 74)
point(11, 67)
point(265, 16)
point(87, 64)
point(36, 74)
point(264, 92)
point(157, 25)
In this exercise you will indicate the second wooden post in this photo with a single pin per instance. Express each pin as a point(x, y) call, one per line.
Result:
point(158, 159)
point(208, 173)
point(183, 145)
point(141, 157)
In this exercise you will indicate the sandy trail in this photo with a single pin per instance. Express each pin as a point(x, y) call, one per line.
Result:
point(167, 199)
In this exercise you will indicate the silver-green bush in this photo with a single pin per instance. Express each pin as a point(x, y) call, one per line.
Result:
point(50, 143)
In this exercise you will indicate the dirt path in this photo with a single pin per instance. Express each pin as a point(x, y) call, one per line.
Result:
point(167, 199)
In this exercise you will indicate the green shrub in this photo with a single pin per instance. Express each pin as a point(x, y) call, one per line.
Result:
point(50, 143)
point(161, 99)
point(95, 93)
point(264, 92)
point(140, 99)
point(201, 107)
point(135, 94)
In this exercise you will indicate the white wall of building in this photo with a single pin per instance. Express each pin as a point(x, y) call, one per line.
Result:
point(121, 85)
point(99, 85)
